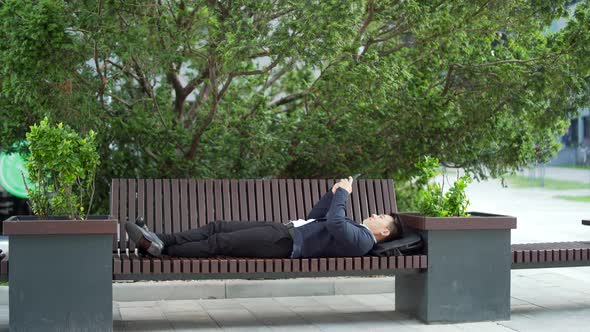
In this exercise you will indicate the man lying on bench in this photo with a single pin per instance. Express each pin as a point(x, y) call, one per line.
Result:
point(326, 232)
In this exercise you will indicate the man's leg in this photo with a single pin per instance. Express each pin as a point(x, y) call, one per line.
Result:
point(204, 232)
point(271, 240)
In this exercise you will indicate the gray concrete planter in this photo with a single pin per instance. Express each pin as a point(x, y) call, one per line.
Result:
point(60, 273)
point(468, 275)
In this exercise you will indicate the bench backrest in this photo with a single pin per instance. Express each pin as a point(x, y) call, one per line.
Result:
point(173, 205)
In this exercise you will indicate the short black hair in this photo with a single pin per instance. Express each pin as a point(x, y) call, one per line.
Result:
point(397, 222)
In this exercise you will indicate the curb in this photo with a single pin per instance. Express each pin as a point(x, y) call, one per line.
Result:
point(227, 289)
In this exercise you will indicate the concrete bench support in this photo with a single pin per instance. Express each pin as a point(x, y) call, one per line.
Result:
point(468, 278)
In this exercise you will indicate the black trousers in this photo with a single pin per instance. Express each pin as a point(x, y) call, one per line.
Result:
point(231, 238)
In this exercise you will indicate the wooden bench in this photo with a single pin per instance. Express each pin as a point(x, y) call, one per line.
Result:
point(462, 290)
point(171, 205)
point(551, 254)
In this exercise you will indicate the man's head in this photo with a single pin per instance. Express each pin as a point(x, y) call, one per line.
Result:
point(382, 226)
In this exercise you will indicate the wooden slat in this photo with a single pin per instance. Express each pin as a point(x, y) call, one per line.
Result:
point(135, 264)
point(374, 263)
point(166, 265)
point(175, 205)
point(278, 265)
point(284, 202)
point(307, 200)
point(202, 204)
point(392, 262)
point(323, 265)
point(296, 265)
point(223, 266)
point(251, 265)
point(167, 208)
point(214, 265)
point(176, 266)
point(242, 266)
point(218, 197)
point(210, 210)
point(305, 265)
point(383, 263)
point(192, 205)
point(233, 266)
point(314, 186)
point(225, 194)
point(400, 262)
point(287, 264)
point(355, 201)
point(423, 262)
point(149, 204)
point(263, 209)
point(276, 204)
point(409, 262)
point(195, 266)
point(234, 199)
point(357, 263)
point(292, 207)
point(131, 201)
point(115, 208)
point(331, 263)
point(371, 197)
point(158, 206)
point(205, 268)
point(184, 203)
point(386, 198)
point(243, 200)
point(391, 190)
point(186, 266)
point(251, 193)
point(117, 268)
point(146, 266)
point(379, 197)
point(126, 264)
point(156, 266)
point(364, 204)
point(269, 266)
point(348, 264)
point(300, 213)
point(267, 201)
point(122, 215)
point(141, 198)
point(340, 264)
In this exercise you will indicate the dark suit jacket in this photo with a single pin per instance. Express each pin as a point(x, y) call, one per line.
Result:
point(332, 234)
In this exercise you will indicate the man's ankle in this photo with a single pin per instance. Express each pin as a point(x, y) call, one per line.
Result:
point(143, 243)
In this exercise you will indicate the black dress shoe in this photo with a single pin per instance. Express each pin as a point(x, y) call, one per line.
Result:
point(141, 223)
point(136, 233)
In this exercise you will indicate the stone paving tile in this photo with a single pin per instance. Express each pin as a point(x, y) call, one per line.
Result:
point(236, 320)
point(180, 305)
point(220, 304)
point(297, 301)
point(191, 321)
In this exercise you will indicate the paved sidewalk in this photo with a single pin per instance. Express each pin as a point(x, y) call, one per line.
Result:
point(542, 300)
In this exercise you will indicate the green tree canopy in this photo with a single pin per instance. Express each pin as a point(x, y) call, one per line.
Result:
point(282, 88)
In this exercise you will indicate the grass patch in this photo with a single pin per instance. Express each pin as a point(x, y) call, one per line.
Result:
point(583, 199)
point(575, 166)
point(3, 284)
point(551, 184)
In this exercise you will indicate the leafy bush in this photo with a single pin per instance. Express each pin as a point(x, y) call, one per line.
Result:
point(62, 165)
point(429, 197)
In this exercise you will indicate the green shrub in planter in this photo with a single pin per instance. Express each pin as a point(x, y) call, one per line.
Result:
point(433, 202)
point(62, 164)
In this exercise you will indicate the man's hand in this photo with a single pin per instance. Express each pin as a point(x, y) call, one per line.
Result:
point(345, 184)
